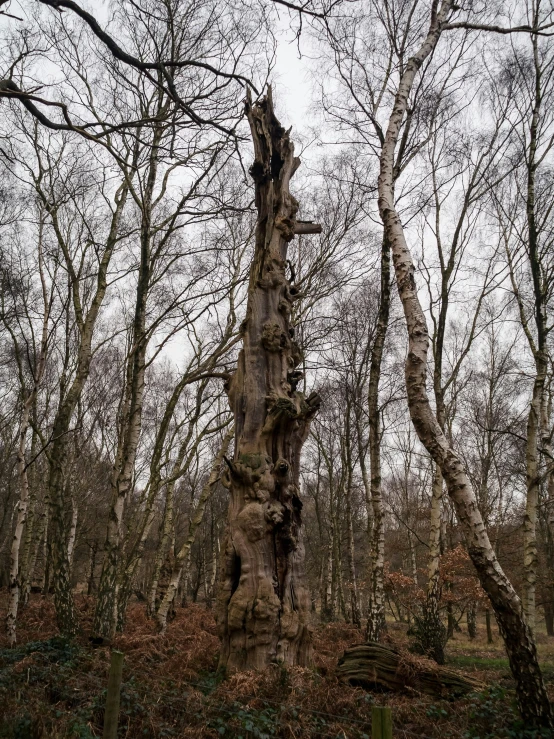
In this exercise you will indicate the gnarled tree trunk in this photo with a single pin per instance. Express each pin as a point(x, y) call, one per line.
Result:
point(263, 605)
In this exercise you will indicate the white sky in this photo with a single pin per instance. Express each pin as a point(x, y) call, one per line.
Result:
point(291, 80)
point(293, 91)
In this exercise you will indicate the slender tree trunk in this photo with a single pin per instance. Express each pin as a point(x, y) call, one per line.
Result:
point(263, 604)
point(488, 623)
point(472, 620)
point(530, 556)
point(16, 579)
point(549, 605)
point(109, 613)
point(163, 548)
point(354, 604)
point(195, 521)
point(92, 566)
point(536, 412)
point(72, 533)
point(434, 627)
point(33, 530)
point(340, 594)
point(413, 557)
point(532, 697)
point(433, 573)
point(335, 579)
point(186, 580)
point(30, 544)
point(213, 569)
point(58, 562)
point(45, 584)
point(22, 508)
point(327, 586)
point(376, 623)
point(354, 597)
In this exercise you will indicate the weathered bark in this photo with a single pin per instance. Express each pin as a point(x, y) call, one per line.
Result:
point(34, 527)
point(532, 697)
point(532, 469)
point(536, 421)
point(263, 604)
point(45, 581)
point(195, 521)
point(373, 666)
point(376, 623)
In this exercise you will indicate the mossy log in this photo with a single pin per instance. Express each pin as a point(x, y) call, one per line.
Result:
point(374, 665)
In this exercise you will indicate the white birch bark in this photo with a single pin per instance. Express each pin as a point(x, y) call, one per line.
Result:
point(532, 697)
point(23, 503)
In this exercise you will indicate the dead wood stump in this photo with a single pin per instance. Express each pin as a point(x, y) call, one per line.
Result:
point(374, 665)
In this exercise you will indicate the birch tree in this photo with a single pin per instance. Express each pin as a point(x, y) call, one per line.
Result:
point(522, 654)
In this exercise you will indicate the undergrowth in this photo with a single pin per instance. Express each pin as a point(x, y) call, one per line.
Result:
point(54, 687)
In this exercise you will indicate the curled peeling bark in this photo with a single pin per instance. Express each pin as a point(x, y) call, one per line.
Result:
point(263, 604)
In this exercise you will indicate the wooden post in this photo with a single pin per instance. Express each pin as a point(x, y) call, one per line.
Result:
point(111, 713)
point(381, 723)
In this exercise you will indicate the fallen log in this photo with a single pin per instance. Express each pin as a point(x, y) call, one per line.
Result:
point(373, 665)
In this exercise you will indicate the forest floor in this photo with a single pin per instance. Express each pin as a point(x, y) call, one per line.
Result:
point(51, 687)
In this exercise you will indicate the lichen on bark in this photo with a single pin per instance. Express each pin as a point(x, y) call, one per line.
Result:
point(263, 604)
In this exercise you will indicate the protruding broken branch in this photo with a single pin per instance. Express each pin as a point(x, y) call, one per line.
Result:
point(307, 227)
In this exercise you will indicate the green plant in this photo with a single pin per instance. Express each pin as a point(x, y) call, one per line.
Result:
point(243, 723)
point(494, 716)
point(436, 712)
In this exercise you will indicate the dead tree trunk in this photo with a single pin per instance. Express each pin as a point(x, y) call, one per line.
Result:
point(263, 605)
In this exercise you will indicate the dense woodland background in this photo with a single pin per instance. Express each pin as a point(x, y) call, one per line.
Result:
point(127, 228)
